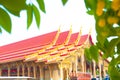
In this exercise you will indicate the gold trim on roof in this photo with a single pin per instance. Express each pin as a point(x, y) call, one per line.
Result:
point(68, 37)
point(79, 35)
point(56, 37)
point(31, 56)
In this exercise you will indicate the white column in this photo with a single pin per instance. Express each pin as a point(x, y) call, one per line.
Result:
point(100, 71)
point(41, 72)
point(23, 71)
point(82, 63)
point(94, 69)
point(67, 74)
point(51, 71)
point(18, 72)
point(28, 71)
point(8, 70)
point(76, 63)
point(34, 69)
point(61, 73)
point(0, 71)
point(104, 72)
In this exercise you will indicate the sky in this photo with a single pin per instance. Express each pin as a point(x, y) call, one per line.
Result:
point(72, 14)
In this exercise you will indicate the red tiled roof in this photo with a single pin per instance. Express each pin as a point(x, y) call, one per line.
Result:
point(73, 38)
point(5, 60)
point(28, 43)
point(18, 51)
point(62, 38)
point(83, 38)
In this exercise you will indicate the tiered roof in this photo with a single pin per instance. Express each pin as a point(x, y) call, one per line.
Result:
point(50, 47)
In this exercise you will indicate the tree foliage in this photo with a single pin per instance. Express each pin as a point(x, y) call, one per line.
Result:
point(14, 7)
point(92, 53)
point(107, 16)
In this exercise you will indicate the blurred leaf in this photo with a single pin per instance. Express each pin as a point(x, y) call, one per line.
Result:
point(90, 12)
point(94, 52)
point(101, 47)
point(113, 69)
point(37, 15)
point(90, 5)
point(87, 5)
point(5, 20)
point(29, 15)
point(117, 31)
point(64, 2)
point(112, 44)
point(101, 40)
point(114, 73)
point(108, 2)
point(0, 30)
point(87, 54)
point(118, 48)
point(41, 5)
point(106, 43)
point(14, 6)
point(102, 32)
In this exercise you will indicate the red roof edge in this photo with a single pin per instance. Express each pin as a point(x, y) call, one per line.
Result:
point(41, 40)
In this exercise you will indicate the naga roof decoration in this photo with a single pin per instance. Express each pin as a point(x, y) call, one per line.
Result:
point(50, 47)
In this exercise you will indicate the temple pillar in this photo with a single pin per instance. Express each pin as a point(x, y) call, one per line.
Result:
point(51, 71)
point(41, 72)
point(0, 71)
point(85, 67)
point(28, 67)
point(76, 63)
point(82, 63)
point(70, 68)
point(18, 71)
point(104, 71)
point(94, 69)
point(61, 73)
point(8, 70)
point(23, 71)
point(67, 74)
point(100, 70)
point(34, 70)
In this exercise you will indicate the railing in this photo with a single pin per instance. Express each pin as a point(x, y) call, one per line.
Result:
point(80, 76)
point(16, 78)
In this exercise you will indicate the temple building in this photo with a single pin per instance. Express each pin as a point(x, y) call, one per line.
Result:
point(52, 56)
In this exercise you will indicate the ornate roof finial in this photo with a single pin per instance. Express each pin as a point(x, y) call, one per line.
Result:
point(79, 35)
point(80, 30)
point(70, 27)
point(68, 37)
point(59, 28)
point(90, 31)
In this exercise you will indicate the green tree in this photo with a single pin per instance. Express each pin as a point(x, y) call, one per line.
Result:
point(107, 16)
point(14, 7)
